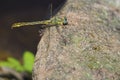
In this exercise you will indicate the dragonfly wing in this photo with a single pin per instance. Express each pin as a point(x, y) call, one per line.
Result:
point(63, 38)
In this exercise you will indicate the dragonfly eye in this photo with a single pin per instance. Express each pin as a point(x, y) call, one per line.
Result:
point(65, 22)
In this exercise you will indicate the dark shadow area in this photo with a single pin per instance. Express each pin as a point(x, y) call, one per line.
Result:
point(13, 42)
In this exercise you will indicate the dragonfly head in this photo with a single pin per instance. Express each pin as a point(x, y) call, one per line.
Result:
point(65, 22)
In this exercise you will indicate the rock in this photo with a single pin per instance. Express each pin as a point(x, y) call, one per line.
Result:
point(87, 48)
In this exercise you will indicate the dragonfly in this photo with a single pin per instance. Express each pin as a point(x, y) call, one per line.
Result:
point(52, 21)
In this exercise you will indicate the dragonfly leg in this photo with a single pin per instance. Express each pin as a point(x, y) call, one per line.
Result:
point(41, 32)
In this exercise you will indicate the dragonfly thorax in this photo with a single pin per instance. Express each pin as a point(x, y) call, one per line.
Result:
point(59, 21)
point(65, 22)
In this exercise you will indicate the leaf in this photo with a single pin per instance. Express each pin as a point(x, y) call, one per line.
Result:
point(12, 63)
point(5, 64)
point(28, 59)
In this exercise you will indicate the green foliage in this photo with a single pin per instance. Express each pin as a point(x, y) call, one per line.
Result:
point(28, 60)
point(12, 63)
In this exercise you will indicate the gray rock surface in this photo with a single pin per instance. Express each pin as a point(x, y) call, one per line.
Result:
point(88, 48)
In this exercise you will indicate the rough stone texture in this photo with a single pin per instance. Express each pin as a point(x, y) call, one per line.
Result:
point(88, 48)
